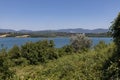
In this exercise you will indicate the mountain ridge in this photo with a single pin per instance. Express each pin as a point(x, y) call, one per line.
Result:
point(75, 30)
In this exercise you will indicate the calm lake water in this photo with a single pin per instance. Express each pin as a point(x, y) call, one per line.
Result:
point(59, 42)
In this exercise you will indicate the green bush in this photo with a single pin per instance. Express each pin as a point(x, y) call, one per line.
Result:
point(68, 49)
point(20, 61)
point(40, 51)
point(14, 52)
point(69, 66)
point(5, 72)
point(100, 45)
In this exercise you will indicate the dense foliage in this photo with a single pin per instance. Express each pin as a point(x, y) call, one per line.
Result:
point(112, 68)
point(115, 29)
point(5, 72)
point(42, 61)
point(80, 66)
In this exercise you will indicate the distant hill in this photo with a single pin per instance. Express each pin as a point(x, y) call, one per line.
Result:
point(77, 30)
point(11, 30)
point(6, 30)
point(24, 31)
point(80, 30)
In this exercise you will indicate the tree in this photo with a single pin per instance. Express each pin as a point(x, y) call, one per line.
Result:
point(115, 29)
point(80, 42)
point(112, 68)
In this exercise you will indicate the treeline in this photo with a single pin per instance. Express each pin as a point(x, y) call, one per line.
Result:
point(54, 34)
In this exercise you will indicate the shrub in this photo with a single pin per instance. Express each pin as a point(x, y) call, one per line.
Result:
point(68, 49)
point(14, 52)
point(40, 51)
point(20, 61)
point(5, 72)
point(100, 45)
point(80, 42)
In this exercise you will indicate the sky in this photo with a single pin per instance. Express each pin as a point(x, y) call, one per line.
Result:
point(57, 14)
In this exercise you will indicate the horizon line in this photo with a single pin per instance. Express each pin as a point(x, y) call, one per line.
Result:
point(51, 29)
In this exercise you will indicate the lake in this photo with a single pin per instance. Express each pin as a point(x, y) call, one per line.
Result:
point(59, 41)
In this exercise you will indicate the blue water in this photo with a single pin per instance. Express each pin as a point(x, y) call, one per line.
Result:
point(59, 42)
point(96, 40)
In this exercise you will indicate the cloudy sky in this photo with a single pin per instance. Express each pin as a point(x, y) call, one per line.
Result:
point(57, 14)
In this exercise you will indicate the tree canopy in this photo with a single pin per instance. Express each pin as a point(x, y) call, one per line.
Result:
point(115, 29)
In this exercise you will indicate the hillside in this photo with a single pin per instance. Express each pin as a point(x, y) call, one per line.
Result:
point(81, 30)
point(6, 30)
point(76, 30)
